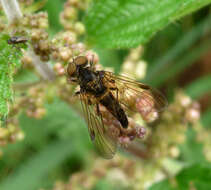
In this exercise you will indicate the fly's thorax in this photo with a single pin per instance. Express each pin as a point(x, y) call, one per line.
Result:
point(86, 75)
point(96, 88)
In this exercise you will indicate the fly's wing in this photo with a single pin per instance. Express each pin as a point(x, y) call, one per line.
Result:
point(135, 96)
point(99, 134)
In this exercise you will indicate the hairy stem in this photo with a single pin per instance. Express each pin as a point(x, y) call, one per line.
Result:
point(13, 13)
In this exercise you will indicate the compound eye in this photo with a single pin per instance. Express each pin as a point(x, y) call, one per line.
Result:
point(81, 60)
point(71, 69)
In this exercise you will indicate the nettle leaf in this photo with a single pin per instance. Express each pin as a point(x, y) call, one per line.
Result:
point(9, 61)
point(126, 24)
point(197, 176)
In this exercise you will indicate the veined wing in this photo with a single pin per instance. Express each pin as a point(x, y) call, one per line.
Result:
point(136, 96)
point(99, 133)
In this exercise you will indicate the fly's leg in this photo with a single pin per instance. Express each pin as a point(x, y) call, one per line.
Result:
point(86, 97)
point(98, 110)
point(78, 93)
point(100, 115)
point(113, 87)
point(75, 96)
point(117, 92)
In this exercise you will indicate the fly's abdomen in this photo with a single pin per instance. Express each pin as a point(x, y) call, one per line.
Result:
point(115, 109)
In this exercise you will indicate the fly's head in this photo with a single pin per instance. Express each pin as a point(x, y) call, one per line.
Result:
point(74, 66)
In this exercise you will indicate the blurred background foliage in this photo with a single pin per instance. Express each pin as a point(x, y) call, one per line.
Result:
point(55, 152)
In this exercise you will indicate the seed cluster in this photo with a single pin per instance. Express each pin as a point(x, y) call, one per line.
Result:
point(34, 27)
point(133, 65)
point(119, 172)
point(70, 16)
point(41, 44)
point(35, 21)
point(35, 104)
point(26, 2)
point(124, 136)
point(171, 131)
point(155, 142)
point(11, 133)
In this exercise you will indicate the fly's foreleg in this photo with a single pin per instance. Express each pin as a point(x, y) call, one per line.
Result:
point(75, 96)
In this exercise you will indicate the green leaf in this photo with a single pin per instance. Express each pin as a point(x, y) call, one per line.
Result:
point(206, 118)
point(167, 61)
point(111, 58)
point(164, 184)
point(125, 24)
point(54, 8)
point(191, 153)
point(170, 71)
point(48, 142)
point(199, 87)
point(25, 76)
point(32, 172)
point(61, 121)
point(197, 176)
point(103, 185)
point(191, 150)
point(9, 61)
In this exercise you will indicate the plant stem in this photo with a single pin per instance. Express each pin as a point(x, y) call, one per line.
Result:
point(43, 68)
point(24, 86)
point(13, 13)
point(11, 9)
point(137, 151)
